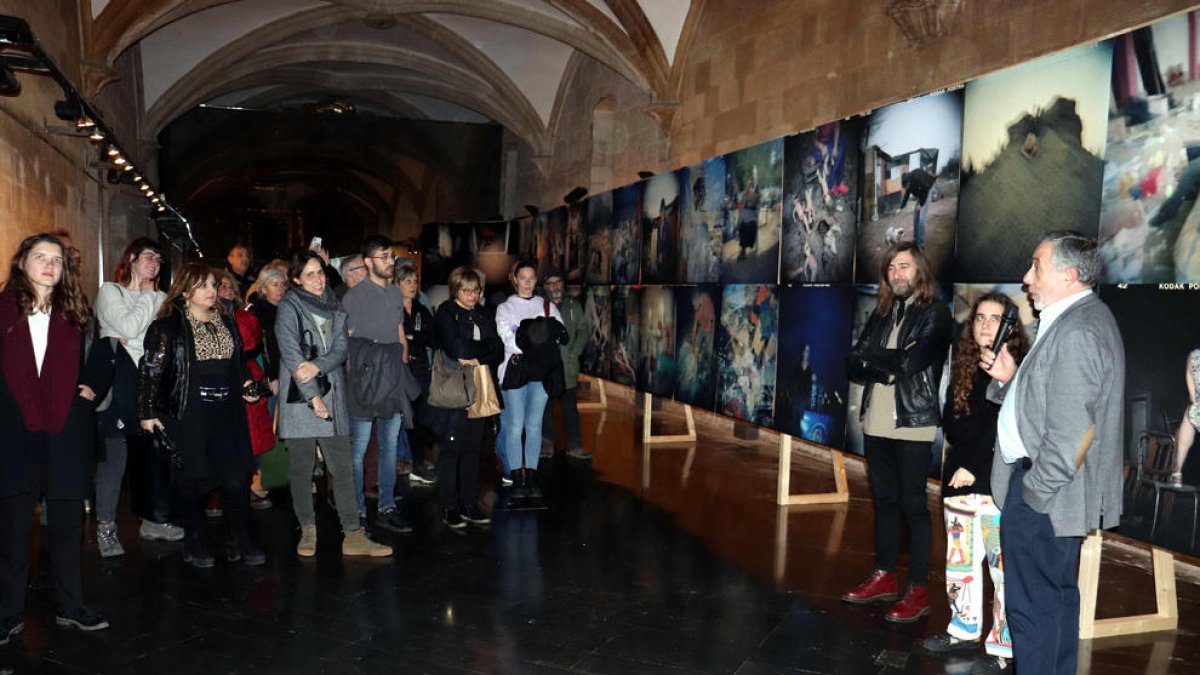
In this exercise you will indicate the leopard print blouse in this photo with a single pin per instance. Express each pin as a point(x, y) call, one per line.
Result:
point(212, 338)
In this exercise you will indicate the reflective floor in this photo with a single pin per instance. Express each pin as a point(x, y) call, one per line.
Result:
point(668, 560)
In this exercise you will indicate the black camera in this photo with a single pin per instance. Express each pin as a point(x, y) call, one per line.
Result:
point(259, 388)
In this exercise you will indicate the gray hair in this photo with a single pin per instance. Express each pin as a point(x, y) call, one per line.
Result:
point(404, 272)
point(1073, 249)
point(265, 276)
point(348, 262)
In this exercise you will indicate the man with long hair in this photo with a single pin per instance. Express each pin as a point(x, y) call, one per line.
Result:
point(898, 359)
point(1058, 462)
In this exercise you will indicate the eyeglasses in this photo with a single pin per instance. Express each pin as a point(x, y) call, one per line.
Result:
point(384, 256)
point(469, 291)
point(992, 319)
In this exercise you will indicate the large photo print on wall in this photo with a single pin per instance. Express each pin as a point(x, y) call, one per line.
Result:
point(820, 202)
point(1033, 143)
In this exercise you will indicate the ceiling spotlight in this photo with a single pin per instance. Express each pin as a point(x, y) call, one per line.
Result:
point(128, 167)
point(84, 122)
point(96, 136)
point(160, 208)
point(150, 193)
point(145, 187)
point(120, 161)
point(113, 151)
point(155, 200)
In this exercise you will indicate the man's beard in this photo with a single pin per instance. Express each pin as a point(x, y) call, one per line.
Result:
point(902, 289)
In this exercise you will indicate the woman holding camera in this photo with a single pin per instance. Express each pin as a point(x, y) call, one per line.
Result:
point(191, 386)
point(313, 345)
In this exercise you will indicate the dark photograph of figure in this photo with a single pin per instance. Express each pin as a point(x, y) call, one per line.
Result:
point(598, 230)
point(656, 353)
point(1148, 232)
point(598, 311)
point(1033, 148)
point(753, 190)
point(490, 238)
point(1160, 329)
point(701, 223)
point(624, 343)
point(627, 235)
point(910, 180)
point(815, 323)
point(552, 249)
point(660, 226)
point(747, 346)
point(820, 203)
point(444, 247)
point(573, 257)
point(696, 311)
point(866, 297)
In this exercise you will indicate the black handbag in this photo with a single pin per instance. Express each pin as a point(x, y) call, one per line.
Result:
point(309, 351)
point(154, 465)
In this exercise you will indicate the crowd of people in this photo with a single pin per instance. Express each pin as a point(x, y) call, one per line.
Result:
point(202, 379)
point(225, 366)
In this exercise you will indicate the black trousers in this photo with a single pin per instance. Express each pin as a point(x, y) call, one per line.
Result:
point(897, 471)
point(64, 537)
point(1041, 589)
point(570, 420)
point(458, 464)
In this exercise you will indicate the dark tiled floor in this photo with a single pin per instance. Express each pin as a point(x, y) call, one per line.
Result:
point(674, 560)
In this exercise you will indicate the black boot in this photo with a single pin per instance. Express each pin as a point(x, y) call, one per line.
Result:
point(241, 547)
point(533, 491)
point(519, 492)
point(195, 553)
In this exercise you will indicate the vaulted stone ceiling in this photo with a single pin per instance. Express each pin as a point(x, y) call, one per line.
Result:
point(456, 60)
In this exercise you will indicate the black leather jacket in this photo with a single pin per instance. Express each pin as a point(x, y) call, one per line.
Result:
point(916, 366)
point(163, 383)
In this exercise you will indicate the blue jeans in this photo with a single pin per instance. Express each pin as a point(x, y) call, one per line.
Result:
point(523, 409)
point(360, 438)
point(403, 448)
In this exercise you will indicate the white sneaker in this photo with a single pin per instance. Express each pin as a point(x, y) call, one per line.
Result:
point(505, 481)
point(150, 531)
point(417, 479)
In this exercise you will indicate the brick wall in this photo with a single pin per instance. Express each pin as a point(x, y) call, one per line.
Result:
point(44, 178)
point(759, 69)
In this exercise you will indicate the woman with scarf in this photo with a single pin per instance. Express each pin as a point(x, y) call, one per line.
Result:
point(47, 421)
point(313, 344)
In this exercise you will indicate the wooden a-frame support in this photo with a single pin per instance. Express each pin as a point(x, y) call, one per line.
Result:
point(602, 404)
point(1167, 616)
point(784, 497)
point(647, 437)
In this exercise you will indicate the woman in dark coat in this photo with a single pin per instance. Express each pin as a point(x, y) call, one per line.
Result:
point(191, 384)
point(47, 421)
point(469, 338)
point(971, 516)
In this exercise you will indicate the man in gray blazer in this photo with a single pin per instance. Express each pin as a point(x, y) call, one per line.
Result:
point(1058, 449)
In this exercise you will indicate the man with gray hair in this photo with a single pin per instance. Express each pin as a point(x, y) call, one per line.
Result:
point(1057, 471)
point(353, 270)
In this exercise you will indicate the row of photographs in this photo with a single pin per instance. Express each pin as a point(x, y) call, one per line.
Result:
point(776, 356)
point(1104, 139)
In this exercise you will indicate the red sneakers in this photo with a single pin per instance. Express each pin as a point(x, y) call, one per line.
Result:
point(878, 587)
point(914, 606)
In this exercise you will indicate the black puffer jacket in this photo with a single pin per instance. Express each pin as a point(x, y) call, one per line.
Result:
point(916, 365)
point(163, 382)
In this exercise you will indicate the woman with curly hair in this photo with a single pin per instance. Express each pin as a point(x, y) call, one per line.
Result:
point(971, 516)
point(47, 420)
point(191, 385)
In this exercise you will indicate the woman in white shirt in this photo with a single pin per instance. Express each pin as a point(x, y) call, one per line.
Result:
point(124, 309)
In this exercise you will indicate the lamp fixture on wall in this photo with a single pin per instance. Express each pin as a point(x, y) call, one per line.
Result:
point(20, 52)
point(924, 20)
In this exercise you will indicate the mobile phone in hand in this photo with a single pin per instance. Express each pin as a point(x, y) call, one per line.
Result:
point(315, 244)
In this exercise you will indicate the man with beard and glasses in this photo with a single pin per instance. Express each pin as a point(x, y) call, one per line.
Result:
point(898, 359)
point(375, 312)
